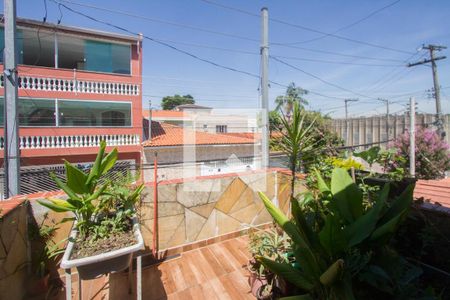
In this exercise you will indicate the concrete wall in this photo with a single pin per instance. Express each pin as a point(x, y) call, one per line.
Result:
point(13, 252)
point(373, 129)
point(201, 209)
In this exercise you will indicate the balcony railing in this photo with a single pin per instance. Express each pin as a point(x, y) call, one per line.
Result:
point(50, 84)
point(74, 141)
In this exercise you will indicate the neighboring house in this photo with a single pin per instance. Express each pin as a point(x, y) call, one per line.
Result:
point(183, 152)
point(206, 119)
point(76, 87)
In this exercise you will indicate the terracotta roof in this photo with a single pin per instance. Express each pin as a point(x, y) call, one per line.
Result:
point(247, 135)
point(163, 114)
point(434, 191)
point(253, 136)
point(164, 134)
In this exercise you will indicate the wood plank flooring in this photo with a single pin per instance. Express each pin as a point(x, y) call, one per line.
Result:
point(217, 271)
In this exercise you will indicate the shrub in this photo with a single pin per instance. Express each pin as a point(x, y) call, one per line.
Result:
point(432, 154)
point(343, 244)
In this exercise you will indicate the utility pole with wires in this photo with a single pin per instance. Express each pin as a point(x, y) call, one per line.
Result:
point(11, 151)
point(437, 89)
point(150, 120)
point(265, 86)
point(387, 116)
point(412, 137)
point(346, 120)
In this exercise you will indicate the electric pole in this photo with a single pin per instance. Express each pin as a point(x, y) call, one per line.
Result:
point(150, 120)
point(346, 120)
point(11, 148)
point(265, 86)
point(412, 137)
point(437, 89)
point(387, 116)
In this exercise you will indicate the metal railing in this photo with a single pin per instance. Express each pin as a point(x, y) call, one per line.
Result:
point(38, 179)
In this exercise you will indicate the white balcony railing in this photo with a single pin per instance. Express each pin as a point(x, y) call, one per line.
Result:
point(74, 141)
point(50, 84)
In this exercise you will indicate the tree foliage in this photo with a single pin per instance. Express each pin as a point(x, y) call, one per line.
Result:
point(294, 94)
point(170, 102)
point(274, 121)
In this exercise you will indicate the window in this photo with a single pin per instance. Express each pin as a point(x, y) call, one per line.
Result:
point(221, 128)
point(36, 112)
point(32, 112)
point(89, 113)
point(42, 112)
point(90, 55)
point(36, 47)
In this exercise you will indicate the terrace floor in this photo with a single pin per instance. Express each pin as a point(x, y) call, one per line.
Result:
point(217, 271)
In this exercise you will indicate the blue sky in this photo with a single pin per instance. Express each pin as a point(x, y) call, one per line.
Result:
point(405, 26)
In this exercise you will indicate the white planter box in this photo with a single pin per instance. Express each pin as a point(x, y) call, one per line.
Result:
point(108, 262)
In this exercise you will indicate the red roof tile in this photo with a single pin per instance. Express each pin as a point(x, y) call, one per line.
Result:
point(253, 136)
point(164, 134)
point(434, 191)
point(9, 205)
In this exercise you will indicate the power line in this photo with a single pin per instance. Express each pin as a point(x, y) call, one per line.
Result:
point(180, 25)
point(337, 53)
point(157, 41)
point(335, 62)
point(182, 51)
point(184, 26)
point(320, 79)
point(391, 73)
point(349, 25)
point(305, 28)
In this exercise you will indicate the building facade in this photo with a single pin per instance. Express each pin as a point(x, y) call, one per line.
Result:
point(183, 152)
point(208, 120)
point(76, 87)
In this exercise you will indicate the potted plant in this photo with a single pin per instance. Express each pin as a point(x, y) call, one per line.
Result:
point(268, 291)
point(106, 231)
point(48, 256)
point(272, 244)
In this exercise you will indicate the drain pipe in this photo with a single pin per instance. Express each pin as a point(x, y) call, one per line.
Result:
point(155, 206)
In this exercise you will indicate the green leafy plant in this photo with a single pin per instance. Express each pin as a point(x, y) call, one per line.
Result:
point(297, 140)
point(268, 244)
point(324, 246)
point(389, 160)
point(83, 190)
point(48, 251)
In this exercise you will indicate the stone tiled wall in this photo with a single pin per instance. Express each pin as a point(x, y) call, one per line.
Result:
point(13, 251)
point(196, 210)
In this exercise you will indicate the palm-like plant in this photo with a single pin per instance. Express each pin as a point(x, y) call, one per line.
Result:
point(297, 140)
point(293, 95)
point(324, 248)
point(83, 189)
